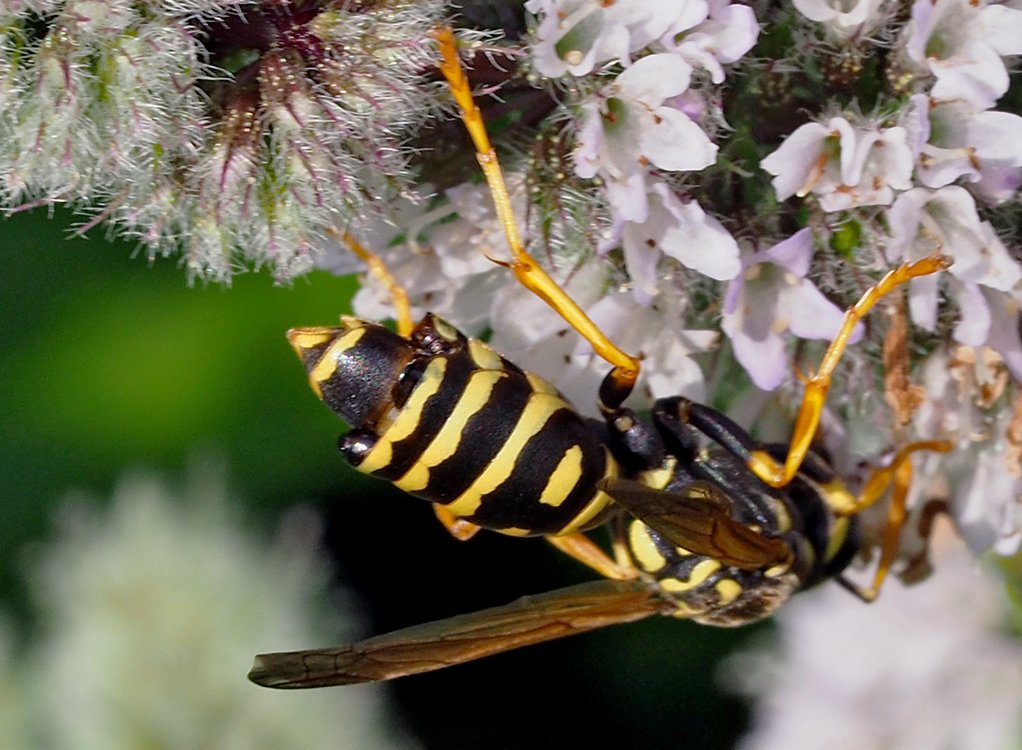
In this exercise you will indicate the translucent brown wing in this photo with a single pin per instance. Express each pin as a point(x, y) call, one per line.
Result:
point(699, 520)
point(444, 643)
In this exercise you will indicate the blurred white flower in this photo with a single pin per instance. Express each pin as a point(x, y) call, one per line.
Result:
point(962, 390)
point(961, 43)
point(955, 141)
point(924, 221)
point(927, 666)
point(573, 36)
point(152, 612)
point(845, 165)
point(843, 19)
point(772, 300)
point(724, 37)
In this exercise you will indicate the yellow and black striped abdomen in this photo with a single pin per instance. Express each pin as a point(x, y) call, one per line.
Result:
point(466, 429)
point(493, 449)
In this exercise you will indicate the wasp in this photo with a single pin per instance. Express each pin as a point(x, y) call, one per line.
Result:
point(707, 523)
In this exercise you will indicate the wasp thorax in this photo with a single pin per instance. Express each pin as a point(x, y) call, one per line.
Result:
point(353, 367)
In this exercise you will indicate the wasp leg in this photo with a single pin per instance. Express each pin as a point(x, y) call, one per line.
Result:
point(459, 528)
point(676, 418)
point(762, 463)
point(583, 549)
point(621, 379)
point(919, 566)
point(376, 266)
point(897, 476)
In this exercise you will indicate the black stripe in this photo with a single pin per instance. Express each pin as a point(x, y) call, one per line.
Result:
point(484, 435)
point(515, 503)
point(435, 412)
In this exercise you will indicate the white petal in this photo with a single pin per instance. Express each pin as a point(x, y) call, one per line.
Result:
point(793, 254)
point(673, 142)
point(697, 240)
point(922, 301)
point(810, 315)
point(974, 324)
point(1002, 27)
point(794, 160)
point(764, 358)
point(654, 78)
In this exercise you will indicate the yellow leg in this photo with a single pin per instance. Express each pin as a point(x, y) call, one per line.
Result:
point(459, 528)
point(760, 462)
point(580, 547)
point(528, 272)
point(898, 474)
point(402, 308)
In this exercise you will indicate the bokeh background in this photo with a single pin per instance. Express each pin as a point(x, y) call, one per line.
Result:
point(109, 363)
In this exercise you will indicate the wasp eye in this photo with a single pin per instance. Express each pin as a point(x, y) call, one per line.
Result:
point(406, 382)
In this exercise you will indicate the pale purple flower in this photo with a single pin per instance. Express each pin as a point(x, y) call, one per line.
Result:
point(657, 331)
point(843, 18)
point(923, 222)
point(632, 127)
point(991, 317)
point(928, 666)
point(961, 43)
point(450, 271)
point(843, 164)
point(573, 36)
point(982, 477)
point(680, 230)
point(534, 337)
point(771, 301)
point(725, 36)
point(955, 140)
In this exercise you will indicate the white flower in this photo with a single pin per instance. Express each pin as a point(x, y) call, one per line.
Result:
point(724, 37)
point(772, 300)
point(961, 43)
point(233, 132)
point(957, 141)
point(537, 339)
point(450, 272)
point(924, 221)
point(928, 666)
point(843, 18)
point(152, 612)
point(633, 125)
point(983, 476)
point(576, 35)
point(843, 164)
point(680, 230)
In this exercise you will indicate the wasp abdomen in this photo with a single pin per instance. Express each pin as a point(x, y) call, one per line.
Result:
point(463, 427)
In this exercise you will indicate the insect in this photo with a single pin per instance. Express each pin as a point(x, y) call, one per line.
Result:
point(707, 523)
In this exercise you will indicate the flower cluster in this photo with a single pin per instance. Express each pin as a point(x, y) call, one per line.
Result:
point(239, 132)
point(926, 666)
point(151, 611)
point(713, 182)
point(688, 198)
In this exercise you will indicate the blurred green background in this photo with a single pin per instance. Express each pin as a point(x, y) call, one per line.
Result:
point(109, 363)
